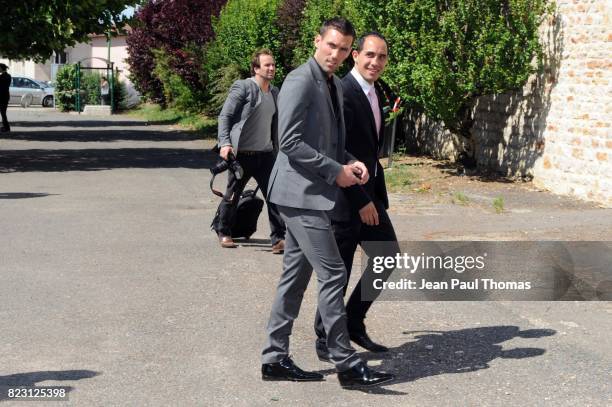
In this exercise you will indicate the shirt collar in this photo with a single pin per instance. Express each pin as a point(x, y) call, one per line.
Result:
point(365, 86)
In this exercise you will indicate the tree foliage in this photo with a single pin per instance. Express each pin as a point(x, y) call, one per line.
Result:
point(182, 28)
point(289, 18)
point(242, 27)
point(178, 93)
point(444, 54)
point(314, 14)
point(65, 88)
point(34, 29)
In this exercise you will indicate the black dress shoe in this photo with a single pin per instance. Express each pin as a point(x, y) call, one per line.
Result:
point(361, 375)
point(287, 370)
point(363, 340)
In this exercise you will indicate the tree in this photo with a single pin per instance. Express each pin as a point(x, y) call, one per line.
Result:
point(288, 21)
point(242, 27)
point(444, 55)
point(34, 29)
point(313, 16)
point(181, 28)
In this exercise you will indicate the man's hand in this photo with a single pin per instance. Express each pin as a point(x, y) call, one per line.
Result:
point(347, 177)
point(361, 171)
point(369, 214)
point(225, 150)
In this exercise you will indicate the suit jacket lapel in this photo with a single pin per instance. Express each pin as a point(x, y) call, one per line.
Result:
point(365, 104)
point(322, 83)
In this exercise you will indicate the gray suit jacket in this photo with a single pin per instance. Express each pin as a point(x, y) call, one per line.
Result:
point(241, 101)
point(311, 141)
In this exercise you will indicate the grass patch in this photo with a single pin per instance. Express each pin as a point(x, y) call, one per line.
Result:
point(399, 178)
point(498, 204)
point(460, 198)
point(154, 114)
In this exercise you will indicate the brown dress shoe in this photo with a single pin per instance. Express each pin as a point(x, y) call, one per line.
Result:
point(278, 247)
point(227, 242)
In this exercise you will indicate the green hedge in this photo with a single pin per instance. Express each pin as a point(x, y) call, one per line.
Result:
point(65, 89)
point(177, 92)
point(443, 54)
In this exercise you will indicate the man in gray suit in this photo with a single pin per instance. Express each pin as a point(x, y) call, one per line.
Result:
point(248, 131)
point(311, 167)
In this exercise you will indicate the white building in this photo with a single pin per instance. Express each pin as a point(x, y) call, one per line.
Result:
point(91, 54)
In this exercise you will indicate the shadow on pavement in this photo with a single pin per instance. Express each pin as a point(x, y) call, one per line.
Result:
point(103, 135)
point(79, 123)
point(447, 352)
point(23, 195)
point(104, 159)
point(30, 379)
point(83, 122)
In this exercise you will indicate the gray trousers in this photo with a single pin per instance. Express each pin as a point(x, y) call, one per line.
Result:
point(310, 243)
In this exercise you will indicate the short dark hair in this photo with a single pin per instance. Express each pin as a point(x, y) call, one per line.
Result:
point(362, 39)
point(255, 59)
point(3, 67)
point(340, 24)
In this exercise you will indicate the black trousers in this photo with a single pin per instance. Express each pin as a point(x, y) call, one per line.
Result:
point(259, 166)
point(5, 122)
point(348, 235)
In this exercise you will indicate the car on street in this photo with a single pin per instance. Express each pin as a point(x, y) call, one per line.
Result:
point(25, 92)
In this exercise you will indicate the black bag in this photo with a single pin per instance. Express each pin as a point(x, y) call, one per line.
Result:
point(247, 213)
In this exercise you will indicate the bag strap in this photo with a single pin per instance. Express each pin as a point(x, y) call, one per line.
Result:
point(218, 193)
point(212, 188)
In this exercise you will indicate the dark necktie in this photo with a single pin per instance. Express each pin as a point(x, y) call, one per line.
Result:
point(332, 92)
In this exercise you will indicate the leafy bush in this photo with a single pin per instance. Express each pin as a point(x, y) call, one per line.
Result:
point(289, 19)
point(177, 91)
point(90, 89)
point(445, 54)
point(243, 26)
point(65, 87)
point(220, 84)
point(314, 14)
point(182, 28)
point(119, 94)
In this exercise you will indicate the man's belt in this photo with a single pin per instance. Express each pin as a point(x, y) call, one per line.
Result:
point(243, 152)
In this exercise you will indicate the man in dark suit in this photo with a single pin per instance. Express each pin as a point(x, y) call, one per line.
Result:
point(5, 84)
point(366, 204)
point(311, 168)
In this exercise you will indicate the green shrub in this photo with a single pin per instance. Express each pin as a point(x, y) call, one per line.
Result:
point(119, 94)
point(220, 85)
point(177, 92)
point(65, 88)
point(243, 27)
point(444, 54)
point(90, 88)
point(315, 13)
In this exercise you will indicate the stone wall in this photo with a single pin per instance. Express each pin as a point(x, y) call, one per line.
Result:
point(556, 130)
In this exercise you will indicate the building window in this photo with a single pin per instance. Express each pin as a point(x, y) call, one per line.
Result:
point(60, 57)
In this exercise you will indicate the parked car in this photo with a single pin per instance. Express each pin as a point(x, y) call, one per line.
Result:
point(25, 91)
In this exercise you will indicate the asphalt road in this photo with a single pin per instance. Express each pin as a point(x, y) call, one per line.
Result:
point(111, 283)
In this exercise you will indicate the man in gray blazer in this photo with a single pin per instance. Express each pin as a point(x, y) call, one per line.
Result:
point(248, 131)
point(311, 167)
